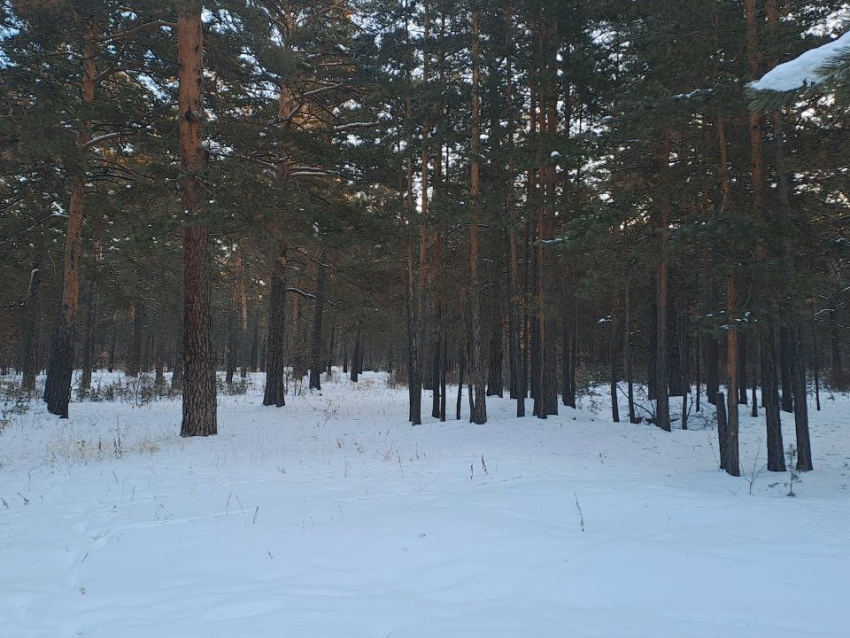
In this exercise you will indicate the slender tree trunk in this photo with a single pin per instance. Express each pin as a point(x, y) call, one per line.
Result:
point(330, 359)
point(476, 364)
point(801, 408)
point(662, 228)
point(722, 430)
point(275, 390)
point(134, 357)
point(732, 464)
point(159, 358)
point(742, 369)
point(613, 356)
point(461, 369)
point(494, 376)
point(199, 387)
point(816, 358)
point(30, 362)
point(355, 355)
point(730, 458)
point(236, 317)
point(316, 336)
point(785, 348)
point(414, 377)
point(629, 364)
point(88, 347)
point(770, 399)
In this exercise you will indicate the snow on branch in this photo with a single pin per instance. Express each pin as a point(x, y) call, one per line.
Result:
point(100, 138)
point(354, 125)
point(808, 69)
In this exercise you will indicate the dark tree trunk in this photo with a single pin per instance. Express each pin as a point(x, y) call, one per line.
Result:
point(275, 391)
point(785, 362)
point(461, 366)
point(732, 465)
point(697, 377)
point(414, 374)
point(255, 341)
point(345, 353)
point(816, 359)
point(110, 364)
point(159, 358)
point(629, 365)
point(742, 369)
point(443, 365)
point(437, 377)
point(722, 430)
point(712, 368)
point(801, 407)
point(355, 355)
point(57, 388)
point(134, 357)
point(31, 329)
point(88, 344)
point(494, 376)
point(199, 387)
point(770, 399)
point(613, 356)
point(316, 334)
point(329, 367)
point(652, 363)
point(177, 350)
point(232, 346)
point(476, 355)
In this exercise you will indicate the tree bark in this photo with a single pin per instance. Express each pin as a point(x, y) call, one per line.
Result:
point(57, 390)
point(770, 399)
point(275, 390)
point(476, 363)
point(199, 387)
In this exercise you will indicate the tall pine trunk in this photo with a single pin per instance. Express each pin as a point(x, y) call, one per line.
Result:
point(476, 362)
point(199, 383)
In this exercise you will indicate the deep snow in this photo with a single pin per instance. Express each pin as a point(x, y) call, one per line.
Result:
point(333, 517)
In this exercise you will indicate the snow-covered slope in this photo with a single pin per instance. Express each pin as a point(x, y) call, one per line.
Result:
point(332, 517)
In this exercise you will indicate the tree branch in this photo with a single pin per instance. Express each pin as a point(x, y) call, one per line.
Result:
point(129, 33)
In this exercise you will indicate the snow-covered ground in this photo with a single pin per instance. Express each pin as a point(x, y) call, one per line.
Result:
point(332, 517)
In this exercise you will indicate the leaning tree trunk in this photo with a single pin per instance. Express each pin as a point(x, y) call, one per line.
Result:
point(275, 391)
point(199, 391)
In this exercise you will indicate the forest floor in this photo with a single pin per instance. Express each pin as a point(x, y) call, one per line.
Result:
point(332, 517)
